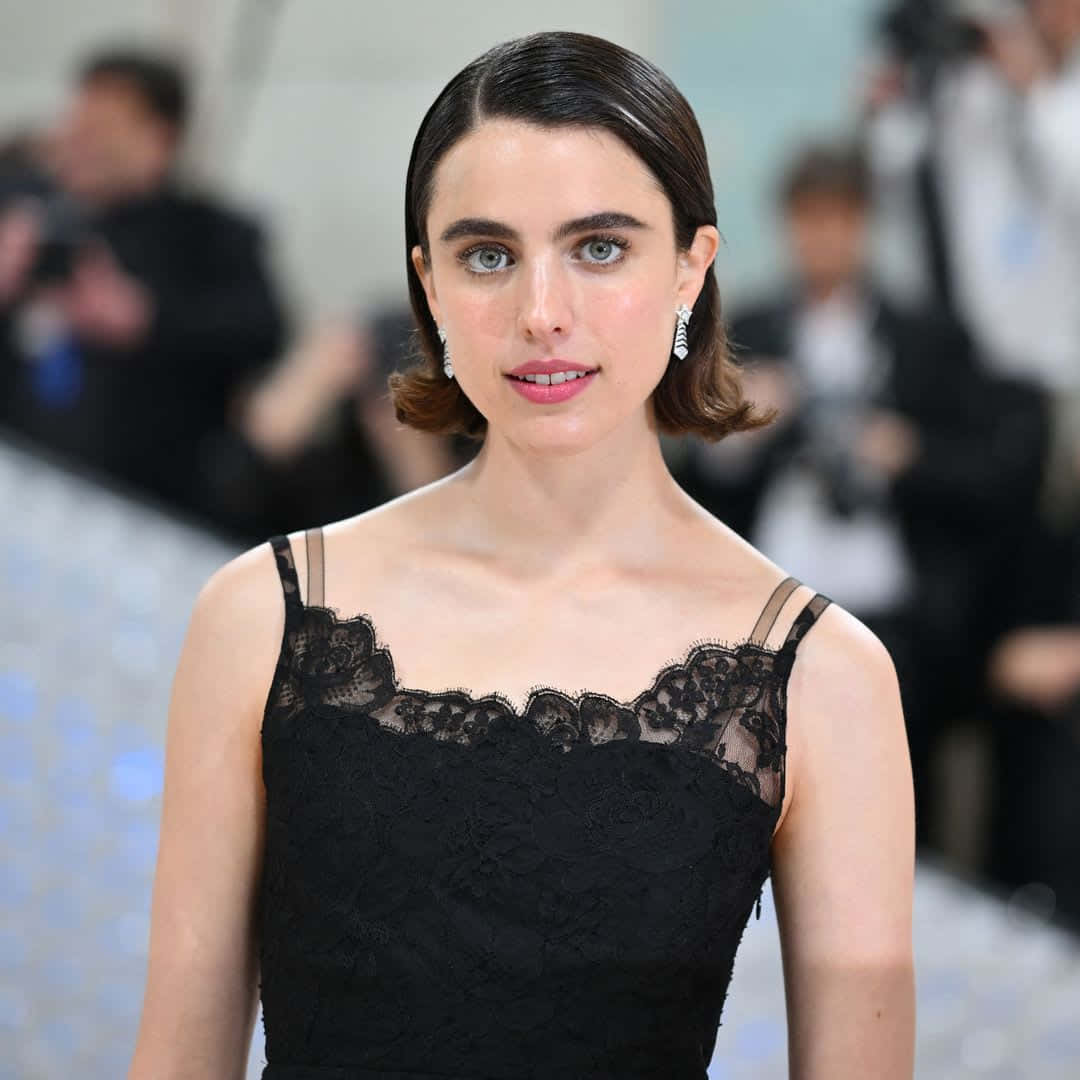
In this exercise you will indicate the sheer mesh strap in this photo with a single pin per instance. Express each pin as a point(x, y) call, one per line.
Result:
point(290, 584)
point(316, 567)
point(803, 621)
point(767, 619)
point(806, 618)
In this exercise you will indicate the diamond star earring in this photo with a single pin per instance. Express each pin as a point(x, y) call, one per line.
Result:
point(447, 366)
point(680, 348)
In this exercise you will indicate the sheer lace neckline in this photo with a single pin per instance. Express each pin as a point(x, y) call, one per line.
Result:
point(692, 653)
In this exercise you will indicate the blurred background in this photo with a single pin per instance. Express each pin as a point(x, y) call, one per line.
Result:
point(202, 291)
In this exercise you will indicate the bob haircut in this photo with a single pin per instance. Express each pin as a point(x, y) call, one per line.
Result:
point(560, 79)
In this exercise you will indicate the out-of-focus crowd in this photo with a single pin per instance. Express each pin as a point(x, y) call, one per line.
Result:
point(923, 350)
point(142, 335)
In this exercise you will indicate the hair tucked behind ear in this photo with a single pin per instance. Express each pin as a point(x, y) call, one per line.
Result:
point(564, 79)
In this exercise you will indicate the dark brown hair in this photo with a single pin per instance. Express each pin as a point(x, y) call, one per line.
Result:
point(837, 171)
point(156, 79)
point(563, 79)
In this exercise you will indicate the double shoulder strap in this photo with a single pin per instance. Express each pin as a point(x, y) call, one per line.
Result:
point(803, 621)
point(316, 586)
point(290, 583)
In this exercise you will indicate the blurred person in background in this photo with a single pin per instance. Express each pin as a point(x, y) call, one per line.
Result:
point(896, 465)
point(975, 108)
point(24, 181)
point(1008, 145)
point(974, 122)
point(1034, 675)
point(133, 310)
point(316, 438)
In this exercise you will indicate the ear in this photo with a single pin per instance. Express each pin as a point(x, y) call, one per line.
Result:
point(423, 272)
point(694, 263)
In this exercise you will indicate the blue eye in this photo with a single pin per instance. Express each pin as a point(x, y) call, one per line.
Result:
point(486, 259)
point(604, 250)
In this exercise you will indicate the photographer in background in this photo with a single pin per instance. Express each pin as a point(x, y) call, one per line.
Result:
point(972, 122)
point(317, 439)
point(974, 106)
point(133, 311)
point(1008, 148)
point(897, 474)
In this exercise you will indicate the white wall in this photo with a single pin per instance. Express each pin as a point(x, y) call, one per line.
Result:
point(308, 108)
point(37, 40)
point(763, 76)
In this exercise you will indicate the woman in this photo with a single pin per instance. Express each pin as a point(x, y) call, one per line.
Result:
point(507, 879)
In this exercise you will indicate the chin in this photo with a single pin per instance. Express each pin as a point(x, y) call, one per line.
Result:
point(559, 436)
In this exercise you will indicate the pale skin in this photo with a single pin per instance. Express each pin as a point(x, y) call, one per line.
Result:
point(529, 566)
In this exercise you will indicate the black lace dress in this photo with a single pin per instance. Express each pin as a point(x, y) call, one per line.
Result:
point(456, 888)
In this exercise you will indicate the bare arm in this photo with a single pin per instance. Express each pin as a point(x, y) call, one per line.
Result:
point(199, 1004)
point(410, 458)
point(283, 413)
point(843, 870)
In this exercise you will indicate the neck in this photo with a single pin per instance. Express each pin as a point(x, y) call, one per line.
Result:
point(555, 514)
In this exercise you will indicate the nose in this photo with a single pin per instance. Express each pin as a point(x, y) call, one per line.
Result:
point(546, 304)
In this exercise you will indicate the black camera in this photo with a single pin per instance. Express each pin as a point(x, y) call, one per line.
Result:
point(64, 235)
point(930, 34)
point(63, 228)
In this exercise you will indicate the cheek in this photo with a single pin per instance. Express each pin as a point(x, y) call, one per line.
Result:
point(481, 312)
point(635, 321)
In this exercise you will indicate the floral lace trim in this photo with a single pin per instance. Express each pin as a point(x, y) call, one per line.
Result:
point(697, 650)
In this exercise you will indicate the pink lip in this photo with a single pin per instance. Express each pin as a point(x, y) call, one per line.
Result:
point(546, 367)
point(549, 395)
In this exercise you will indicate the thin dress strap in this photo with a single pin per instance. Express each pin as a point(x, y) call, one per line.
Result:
point(290, 584)
point(760, 634)
point(316, 567)
point(803, 621)
point(806, 618)
point(767, 619)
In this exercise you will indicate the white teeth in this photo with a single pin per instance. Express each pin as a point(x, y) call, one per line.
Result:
point(553, 379)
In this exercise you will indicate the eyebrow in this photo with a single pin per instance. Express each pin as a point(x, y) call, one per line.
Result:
point(497, 230)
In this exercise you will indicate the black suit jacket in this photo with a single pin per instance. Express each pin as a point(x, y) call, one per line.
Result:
point(147, 415)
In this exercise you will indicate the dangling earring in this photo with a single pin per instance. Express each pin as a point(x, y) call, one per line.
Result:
point(680, 348)
point(447, 366)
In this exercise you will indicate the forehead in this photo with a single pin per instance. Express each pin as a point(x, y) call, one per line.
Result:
point(818, 204)
point(105, 94)
point(521, 174)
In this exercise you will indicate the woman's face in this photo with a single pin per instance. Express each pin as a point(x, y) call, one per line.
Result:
point(555, 247)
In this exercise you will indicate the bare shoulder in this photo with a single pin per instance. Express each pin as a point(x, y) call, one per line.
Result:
point(740, 580)
point(850, 816)
point(843, 859)
point(381, 545)
point(242, 594)
point(845, 728)
point(843, 708)
point(202, 970)
point(841, 665)
point(235, 630)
